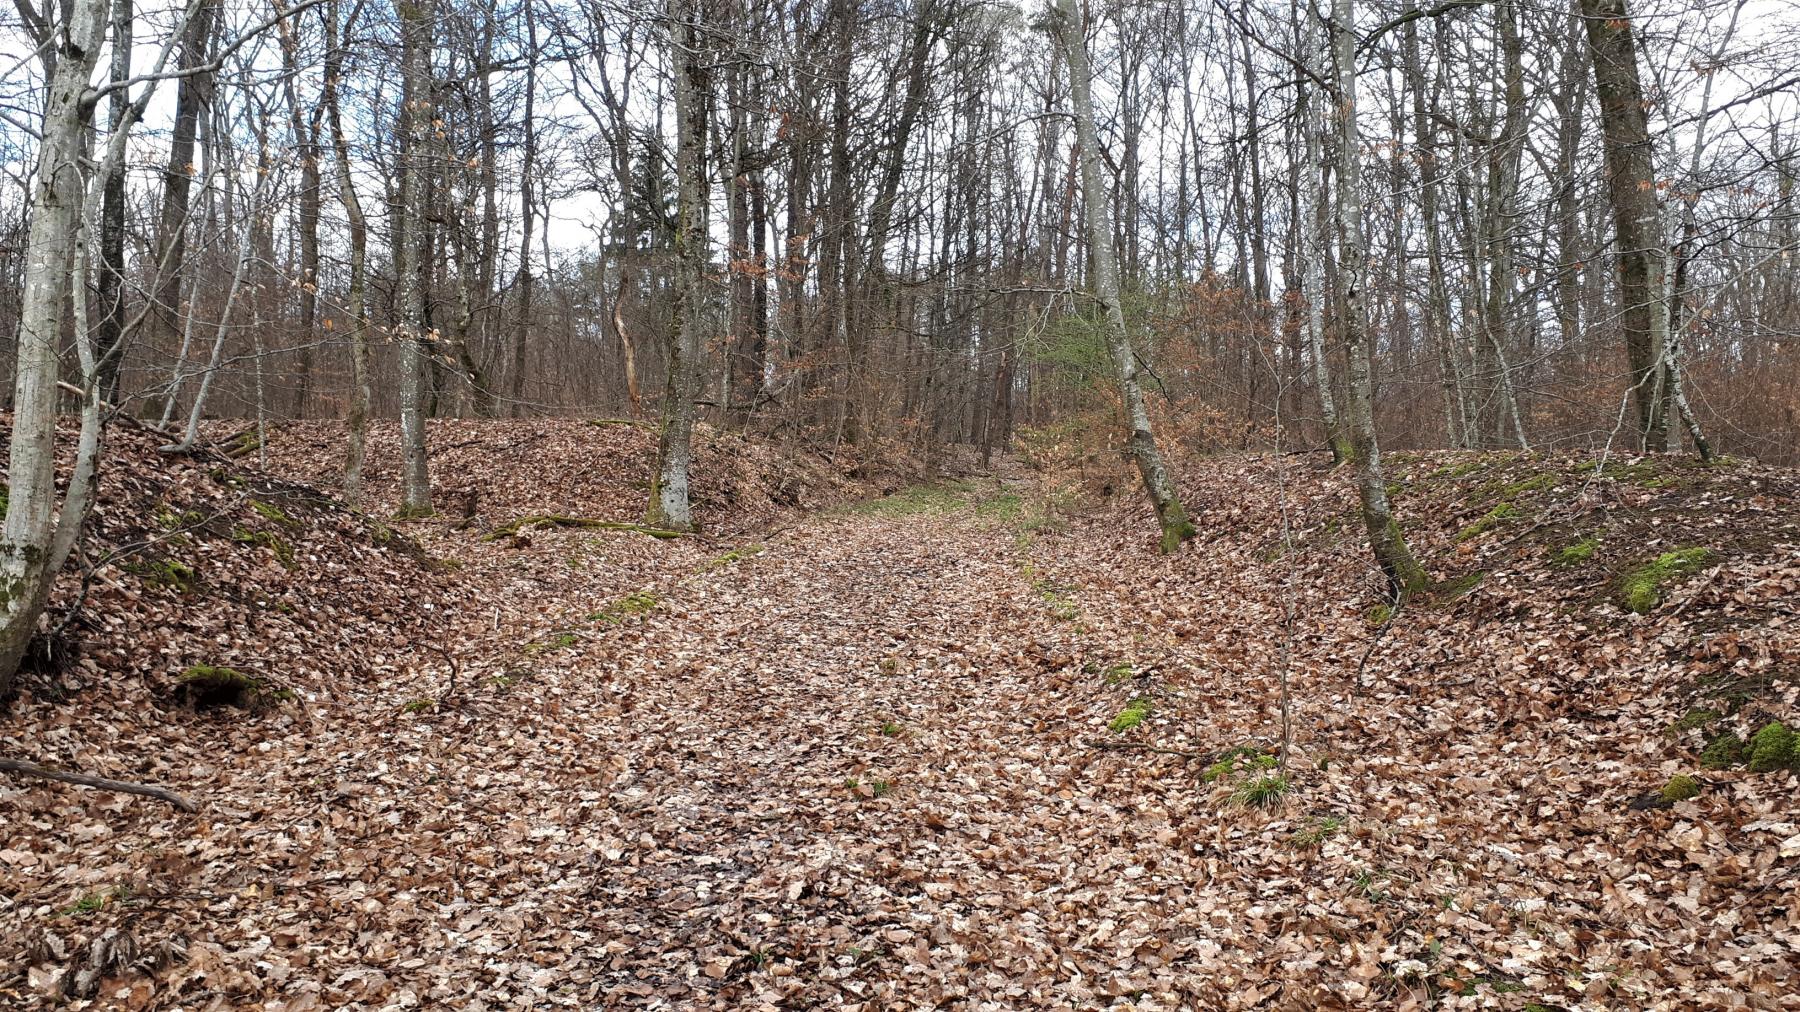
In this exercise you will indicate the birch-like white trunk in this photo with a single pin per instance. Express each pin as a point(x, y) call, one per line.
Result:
point(1176, 527)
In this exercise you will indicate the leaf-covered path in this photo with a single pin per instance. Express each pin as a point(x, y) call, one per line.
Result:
point(846, 774)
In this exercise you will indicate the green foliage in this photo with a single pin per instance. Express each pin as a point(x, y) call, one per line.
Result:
point(1317, 831)
point(638, 602)
point(1537, 483)
point(1379, 615)
point(1575, 554)
point(419, 705)
point(1771, 748)
point(1500, 514)
point(1130, 717)
point(1262, 792)
point(889, 729)
point(1119, 674)
point(1460, 470)
point(1641, 589)
point(1723, 752)
point(1680, 788)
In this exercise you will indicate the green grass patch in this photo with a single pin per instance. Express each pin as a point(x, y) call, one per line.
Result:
point(1262, 792)
point(1317, 831)
point(269, 512)
point(1642, 588)
point(1242, 759)
point(1694, 719)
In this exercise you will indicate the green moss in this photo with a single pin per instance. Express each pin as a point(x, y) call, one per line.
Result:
point(735, 556)
point(1505, 512)
point(1262, 792)
point(561, 641)
point(1537, 483)
point(1119, 674)
point(1723, 752)
point(1575, 554)
point(405, 513)
point(1680, 788)
point(163, 573)
point(271, 513)
point(1130, 717)
point(1641, 589)
point(1695, 718)
point(889, 729)
point(1459, 470)
point(284, 552)
point(638, 602)
point(1379, 615)
point(1771, 748)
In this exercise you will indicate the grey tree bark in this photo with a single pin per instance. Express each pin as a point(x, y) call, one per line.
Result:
point(412, 331)
point(1392, 554)
point(670, 507)
point(1158, 484)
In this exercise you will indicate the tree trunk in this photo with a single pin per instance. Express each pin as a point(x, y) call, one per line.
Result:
point(669, 500)
point(34, 541)
point(1631, 186)
point(413, 331)
point(356, 307)
point(1176, 528)
point(1404, 575)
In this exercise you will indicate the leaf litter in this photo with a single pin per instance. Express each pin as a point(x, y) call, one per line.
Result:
point(861, 758)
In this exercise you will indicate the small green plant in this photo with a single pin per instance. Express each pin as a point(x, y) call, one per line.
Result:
point(1262, 792)
point(638, 602)
point(98, 900)
point(1378, 616)
point(1130, 717)
point(1642, 589)
point(419, 705)
point(1723, 752)
point(1232, 761)
point(1505, 512)
point(1575, 554)
point(1771, 748)
point(1680, 788)
point(1317, 831)
point(880, 788)
point(889, 729)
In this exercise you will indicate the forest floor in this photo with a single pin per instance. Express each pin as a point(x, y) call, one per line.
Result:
point(972, 744)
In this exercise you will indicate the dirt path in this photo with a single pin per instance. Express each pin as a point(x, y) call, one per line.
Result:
point(840, 772)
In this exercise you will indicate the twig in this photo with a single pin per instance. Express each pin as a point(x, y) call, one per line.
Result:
point(123, 786)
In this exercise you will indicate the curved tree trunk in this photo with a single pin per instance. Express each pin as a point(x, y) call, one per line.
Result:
point(1176, 527)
